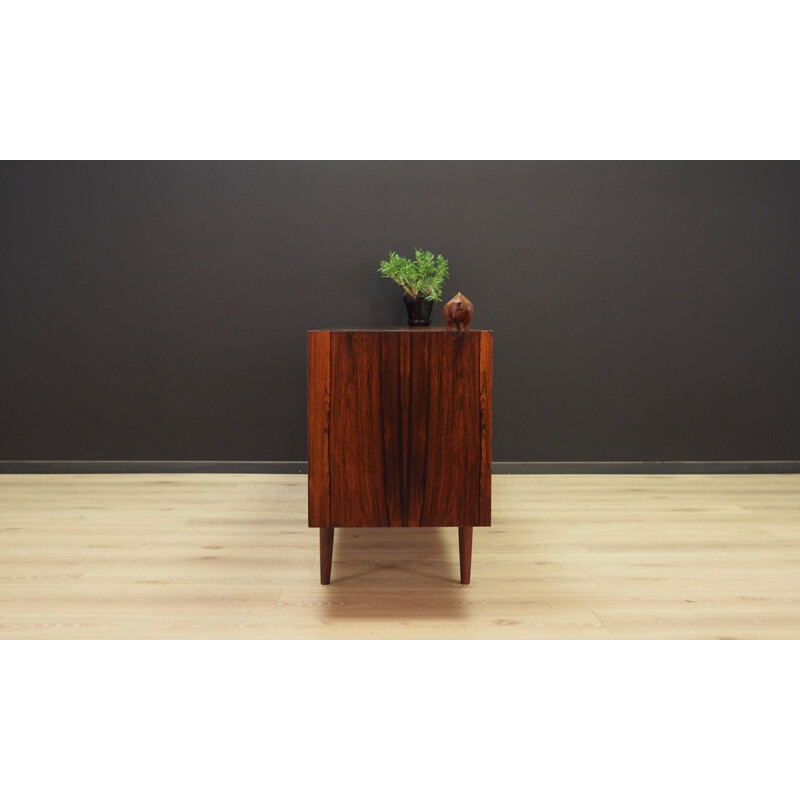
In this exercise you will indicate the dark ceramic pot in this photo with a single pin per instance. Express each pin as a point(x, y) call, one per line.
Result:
point(419, 310)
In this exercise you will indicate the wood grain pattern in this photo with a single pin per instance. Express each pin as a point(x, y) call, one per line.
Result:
point(361, 493)
point(568, 557)
point(409, 429)
point(486, 388)
point(414, 428)
point(447, 420)
point(395, 465)
point(319, 395)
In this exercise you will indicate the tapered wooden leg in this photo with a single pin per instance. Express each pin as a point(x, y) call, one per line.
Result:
point(325, 554)
point(465, 552)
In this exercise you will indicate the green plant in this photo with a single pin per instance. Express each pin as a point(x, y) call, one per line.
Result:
point(423, 277)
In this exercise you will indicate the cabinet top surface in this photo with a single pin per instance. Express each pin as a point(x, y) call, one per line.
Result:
point(398, 329)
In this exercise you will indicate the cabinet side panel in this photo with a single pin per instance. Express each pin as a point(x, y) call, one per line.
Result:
point(449, 480)
point(358, 457)
point(319, 398)
point(485, 515)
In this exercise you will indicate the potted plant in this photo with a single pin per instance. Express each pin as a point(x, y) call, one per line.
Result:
point(422, 281)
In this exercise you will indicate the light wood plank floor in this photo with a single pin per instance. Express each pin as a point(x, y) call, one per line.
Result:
point(568, 557)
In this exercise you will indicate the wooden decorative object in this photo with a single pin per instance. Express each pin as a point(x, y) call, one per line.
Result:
point(458, 312)
point(399, 432)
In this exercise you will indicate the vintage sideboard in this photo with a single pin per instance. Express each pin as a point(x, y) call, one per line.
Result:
point(399, 432)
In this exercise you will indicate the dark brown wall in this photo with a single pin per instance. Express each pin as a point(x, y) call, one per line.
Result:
point(642, 311)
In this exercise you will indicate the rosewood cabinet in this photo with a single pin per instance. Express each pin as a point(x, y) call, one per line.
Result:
point(399, 432)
